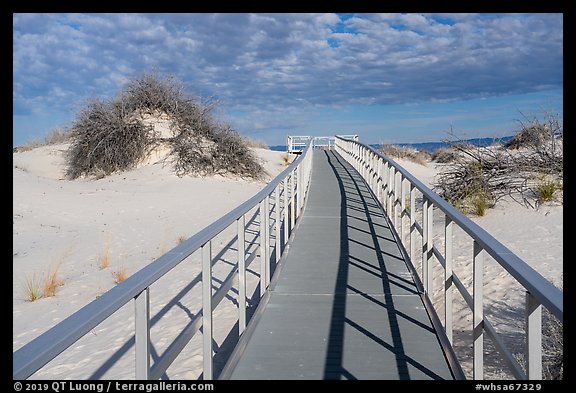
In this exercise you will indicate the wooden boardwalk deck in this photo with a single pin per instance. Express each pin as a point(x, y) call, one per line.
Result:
point(343, 304)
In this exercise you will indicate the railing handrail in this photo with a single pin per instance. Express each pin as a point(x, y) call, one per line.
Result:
point(543, 290)
point(42, 349)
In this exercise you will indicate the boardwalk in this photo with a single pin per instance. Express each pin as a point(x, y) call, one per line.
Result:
point(343, 304)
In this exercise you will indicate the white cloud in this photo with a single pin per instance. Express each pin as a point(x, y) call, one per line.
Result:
point(265, 63)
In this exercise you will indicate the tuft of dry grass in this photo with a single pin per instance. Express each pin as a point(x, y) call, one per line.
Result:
point(181, 239)
point(51, 282)
point(32, 290)
point(286, 159)
point(120, 274)
point(105, 257)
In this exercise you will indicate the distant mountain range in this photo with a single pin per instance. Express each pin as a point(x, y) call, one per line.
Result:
point(430, 146)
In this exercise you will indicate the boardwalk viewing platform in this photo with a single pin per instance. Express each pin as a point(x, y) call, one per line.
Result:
point(344, 304)
point(339, 254)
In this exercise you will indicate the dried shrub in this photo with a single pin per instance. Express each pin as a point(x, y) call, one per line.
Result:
point(418, 156)
point(553, 346)
point(492, 172)
point(106, 138)
point(113, 136)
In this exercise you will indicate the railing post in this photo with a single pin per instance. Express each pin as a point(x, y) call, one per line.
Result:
point(402, 209)
point(379, 179)
point(533, 337)
point(207, 330)
point(298, 190)
point(277, 222)
point(142, 334)
point(425, 243)
point(478, 312)
point(285, 211)
point(412, 222)
point(448, 279)
point(429, 245)
point(292, 199)
point(240, 224)
point(263, 251)
point(267, 238)
point(386, 187)
point(396, 197)
point(391, 176)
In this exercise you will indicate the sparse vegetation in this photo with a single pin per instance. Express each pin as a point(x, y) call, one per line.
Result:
point(181, 239)
point(104, 262)
point(32, 290)
point(257, 143)
point(57, 135)
point(286, 158)
point(478, 177)
point(546, 189)
point(417, 156)
point(51, 282)
point(553, 346)
point(120, 274)
point(115, 135)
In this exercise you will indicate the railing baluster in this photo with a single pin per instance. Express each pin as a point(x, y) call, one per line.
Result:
point(263, 235)
point(277, 222)
point(533, 337)
point(292, 205)
point(413, 230)
point(142, 334)
point(429, 251)
point(448, 284)
point(425, 243)
point(207, 329)
point(240, 224)
point(285, 211)
point(267, 238)
point(402, 209)
point(478, 312)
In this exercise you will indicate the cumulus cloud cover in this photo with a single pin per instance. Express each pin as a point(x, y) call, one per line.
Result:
point(277, 71)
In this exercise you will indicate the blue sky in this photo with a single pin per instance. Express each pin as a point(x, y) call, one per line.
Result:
point(393, 78)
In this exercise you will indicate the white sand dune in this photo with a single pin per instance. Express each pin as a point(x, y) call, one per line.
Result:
point(136, 216)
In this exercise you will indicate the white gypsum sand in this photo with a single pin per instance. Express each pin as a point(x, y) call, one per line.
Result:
point(130, 219)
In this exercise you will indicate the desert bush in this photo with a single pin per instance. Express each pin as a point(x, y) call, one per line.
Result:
point(546, 189)
point(110, 136)
point(444, 155)
point(490, 173)
point(552, 346)
point(105, 139)
point(417, 156)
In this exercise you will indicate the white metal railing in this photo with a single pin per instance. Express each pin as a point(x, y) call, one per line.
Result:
point(295, 143)
point(393, 185)
point(290, 188)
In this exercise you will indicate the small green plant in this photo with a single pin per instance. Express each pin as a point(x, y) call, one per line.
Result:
point(546, 189)
point(32, 288)
point(479, 205)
